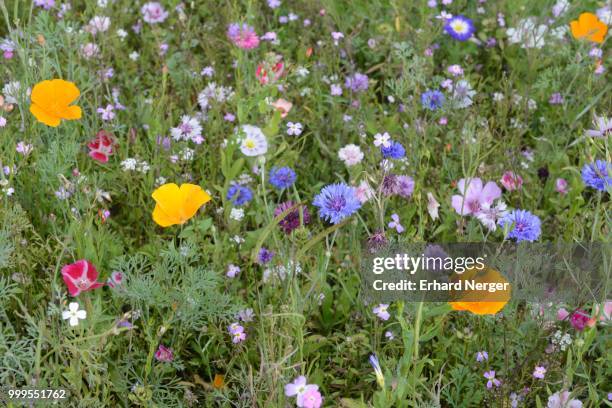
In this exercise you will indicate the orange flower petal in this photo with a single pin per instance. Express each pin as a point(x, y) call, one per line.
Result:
point(72, 112)
point(177, 205)
point(43, 116)
point(163, 219)
point(51, 100)
point(193, 198)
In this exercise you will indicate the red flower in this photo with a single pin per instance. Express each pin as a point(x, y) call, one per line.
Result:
point(80, 277)
point(262, 72)
point(102, 146)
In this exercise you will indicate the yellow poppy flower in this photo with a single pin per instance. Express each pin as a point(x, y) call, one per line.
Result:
point(590, 27)
point(488, 302)
point(177, 205)
point(51, 101)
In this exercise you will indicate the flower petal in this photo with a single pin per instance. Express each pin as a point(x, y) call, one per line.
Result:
point(43, 116)
point(163, 219)
point(193, 198)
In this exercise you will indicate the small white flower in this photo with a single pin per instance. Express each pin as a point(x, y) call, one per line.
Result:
point(254, 142)
point(237, 214)
point(294, 129)
point(383, 140)
point(121, 33)
point(134, 55)
point(351, 155)
point(73, 314)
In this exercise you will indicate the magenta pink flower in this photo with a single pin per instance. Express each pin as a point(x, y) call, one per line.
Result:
point(474, 196)
point(243, 36)
point(164, 354)
point(579, 319)
point(511, 181)
point(80, 276)
point(101, 146)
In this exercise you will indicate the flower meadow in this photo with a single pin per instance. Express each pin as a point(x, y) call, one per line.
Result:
point(187, 190)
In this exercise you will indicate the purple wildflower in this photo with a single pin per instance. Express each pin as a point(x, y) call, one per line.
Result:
point(336, 202)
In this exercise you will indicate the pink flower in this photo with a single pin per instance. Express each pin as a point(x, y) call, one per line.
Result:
point(80, 277)
point(243, 36)
point(115, 280)
point(474, 197)
point(308, 395)
point(164, 354)
point(579, 319)
point(101, 146)
point(311, 398)
point(561, 186)
point(283, 106)
point(562, 314)
point(153, 13)
point(511, 181)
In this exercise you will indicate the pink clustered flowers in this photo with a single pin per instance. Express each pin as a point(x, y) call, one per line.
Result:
point(80, 276)
point(307, 395)
point(153, 13)
point(243, 36)
point(477, 200)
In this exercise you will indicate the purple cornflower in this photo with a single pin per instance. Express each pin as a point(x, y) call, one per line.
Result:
point(389, 184)
point(376, 241)
point(239, 195)
point(482, 356)
point(394, 151)
point(282, 177)
point(336, 202)
point(404, 186)
point(432, 100)
point(292, 219)
point(264, 256)
point(381, 311)
point(459, 27)
point(597, 175)
point(164, 354)
point(357, 83)
point(490, 376)
point(525, 226)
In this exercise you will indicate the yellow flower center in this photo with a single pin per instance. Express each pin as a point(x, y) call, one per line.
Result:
point(249, 143)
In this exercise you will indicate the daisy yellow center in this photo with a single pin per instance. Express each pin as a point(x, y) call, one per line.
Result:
point(459, 26)
point(249, 143)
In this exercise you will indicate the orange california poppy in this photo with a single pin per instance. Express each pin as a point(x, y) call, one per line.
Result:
point(487, 302)
point(177, 205)
point(219, 381)
point(51, 101)
point(590, 27)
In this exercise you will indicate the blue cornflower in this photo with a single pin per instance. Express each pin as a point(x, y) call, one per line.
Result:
point(432, 100)
point(264, 256)
point(282, 177)
point(336, 202)
point(459, 27)
point(525, 225)
point(597, 175)
point(239, 195)
point(357, 83)
point(394, 151)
